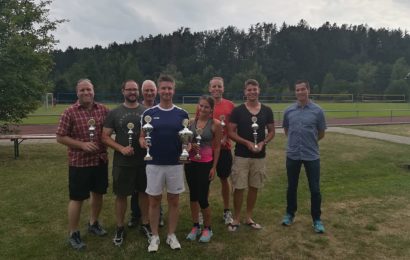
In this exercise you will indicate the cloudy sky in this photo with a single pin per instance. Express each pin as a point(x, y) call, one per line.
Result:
point(101, 22)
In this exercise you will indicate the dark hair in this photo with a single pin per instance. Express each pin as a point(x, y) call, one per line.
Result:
point(301, 81)
point(211, 102)
point(125, 83)
point(165, 78)
point(217, 78)
point(252, 82)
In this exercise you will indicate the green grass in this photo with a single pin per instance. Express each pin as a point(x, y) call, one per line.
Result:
point(403, 130)
point(333, 110)
point(365, 208)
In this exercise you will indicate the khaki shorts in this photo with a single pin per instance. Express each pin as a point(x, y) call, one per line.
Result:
point(248, 172)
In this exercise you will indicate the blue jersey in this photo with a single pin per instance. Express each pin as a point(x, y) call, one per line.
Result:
point(166, 146)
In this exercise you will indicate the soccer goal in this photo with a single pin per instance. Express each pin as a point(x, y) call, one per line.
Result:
point(48, 100)
point(265, 99)
point(190, 99)
point(382, 98)
point(332, 97)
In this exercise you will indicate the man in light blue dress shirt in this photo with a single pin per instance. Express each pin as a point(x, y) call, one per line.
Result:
point(304, 124)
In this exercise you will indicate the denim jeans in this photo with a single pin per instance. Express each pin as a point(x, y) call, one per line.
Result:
point(312, 169)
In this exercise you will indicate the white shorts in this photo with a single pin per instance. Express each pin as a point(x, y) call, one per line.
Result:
point(159, 176)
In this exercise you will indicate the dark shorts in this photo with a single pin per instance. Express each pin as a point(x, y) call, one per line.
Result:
point(224, 166)
point(126, 180)
point(83, 180)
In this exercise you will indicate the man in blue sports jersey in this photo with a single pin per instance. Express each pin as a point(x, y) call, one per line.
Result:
point(164, 168)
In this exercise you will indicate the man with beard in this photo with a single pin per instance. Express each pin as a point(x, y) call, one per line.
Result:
point(128, 166)
point(249, 164)
point(80, 130)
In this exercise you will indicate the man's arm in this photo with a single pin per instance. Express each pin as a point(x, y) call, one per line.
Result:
point(269, 136)
point(321, 134)
point(285, 130)
point(232, 127)
point(106, 139)
point(76, 144)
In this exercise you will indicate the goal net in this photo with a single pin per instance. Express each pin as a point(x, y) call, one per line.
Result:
point(382, 98)
point(49, 100)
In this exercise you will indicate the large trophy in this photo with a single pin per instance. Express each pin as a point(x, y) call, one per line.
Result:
point(130, 126)
point(147, 128)
point(91, 128)
point(186, 136)
point(255, 127)
point(198, 138)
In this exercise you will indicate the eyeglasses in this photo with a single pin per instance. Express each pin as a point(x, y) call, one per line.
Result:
point(131, 89)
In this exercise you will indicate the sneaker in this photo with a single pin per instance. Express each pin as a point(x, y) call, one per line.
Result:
point(119, 236)
point(206, 235)
point(200, 218)
point(146, 230)
point(288, 220)
point(96, 229)
point(227, 217)
point(133, 222)
point(173, 242)
point(75, 241)
point(195, 231)
point(153, 244)
point(318, 226)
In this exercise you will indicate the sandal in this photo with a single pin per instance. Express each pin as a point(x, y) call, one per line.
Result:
point(233, 227)
point(254, 225)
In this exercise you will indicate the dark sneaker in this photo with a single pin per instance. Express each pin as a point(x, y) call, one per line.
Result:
point(133, 222)
point(288, 220)
point(146, 230)
point(96, 229)
point(75, 241)
point(119, 236)
point(318, 226)
point(227, 217)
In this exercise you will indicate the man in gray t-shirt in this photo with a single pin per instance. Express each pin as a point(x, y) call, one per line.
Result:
point(304, 125)
point(128, 165)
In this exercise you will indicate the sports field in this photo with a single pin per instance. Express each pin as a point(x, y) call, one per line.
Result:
point(333, 110)
point(365, 209)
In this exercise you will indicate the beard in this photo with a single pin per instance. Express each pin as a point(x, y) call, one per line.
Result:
point(131, 99)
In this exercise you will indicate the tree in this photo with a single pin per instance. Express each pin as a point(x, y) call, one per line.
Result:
point(25, 60)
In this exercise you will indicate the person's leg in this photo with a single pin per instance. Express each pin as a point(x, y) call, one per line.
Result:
point(239, 176)
point(173, 212)
point(312, 169)
point(98, 187)
point(223, 169)
point(144, 206)
point(135, 210)
point(202, 184)
point(154, 202)
point(237, 205)
point(251, 201)
point(293, 171)
point(74, 212)
point(120, 209)
point(96, 202)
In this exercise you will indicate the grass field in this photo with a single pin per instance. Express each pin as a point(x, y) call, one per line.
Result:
point(403, 130)
point(365, 209)
point(333, 110)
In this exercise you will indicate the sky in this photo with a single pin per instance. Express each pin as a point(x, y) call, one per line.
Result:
point(101, 22)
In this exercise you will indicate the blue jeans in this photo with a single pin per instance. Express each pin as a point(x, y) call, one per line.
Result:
point(312, 169)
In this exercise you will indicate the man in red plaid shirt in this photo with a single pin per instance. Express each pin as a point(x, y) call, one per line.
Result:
point(80, 130)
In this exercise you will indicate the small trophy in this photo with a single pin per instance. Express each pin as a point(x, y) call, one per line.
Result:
point(186, 136)
point(222, 119)
point(255, 127)
point(198, 138)
point(130, 126)
point(147, 128)
point(91, 128)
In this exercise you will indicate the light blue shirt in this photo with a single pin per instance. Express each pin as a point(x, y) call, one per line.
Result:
point(303, 125)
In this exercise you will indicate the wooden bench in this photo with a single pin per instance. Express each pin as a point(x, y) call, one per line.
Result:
point(18, 139)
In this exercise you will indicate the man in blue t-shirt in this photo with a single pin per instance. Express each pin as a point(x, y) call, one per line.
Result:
point(304, 125)
point(164, 169)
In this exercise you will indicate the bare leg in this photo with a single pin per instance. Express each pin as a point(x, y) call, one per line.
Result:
point(194, 211)
point(96, 201)
point(225, 191)
point(144, 204)
point(237, 204)
point(207, 216)
point(74, 211)
point(251, 200)
point(120, 209)
point(173, 212)
point(154, 203)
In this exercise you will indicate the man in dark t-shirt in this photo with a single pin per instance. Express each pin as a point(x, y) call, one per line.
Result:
point(128, 169)
point(248, 169)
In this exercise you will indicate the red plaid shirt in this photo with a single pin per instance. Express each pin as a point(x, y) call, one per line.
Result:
point(74, 123)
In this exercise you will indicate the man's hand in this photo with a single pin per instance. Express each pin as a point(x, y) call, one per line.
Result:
point(127, 151)
point(89, 147)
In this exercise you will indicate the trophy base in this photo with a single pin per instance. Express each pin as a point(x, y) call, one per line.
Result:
point(184, 159)
point(148, 158)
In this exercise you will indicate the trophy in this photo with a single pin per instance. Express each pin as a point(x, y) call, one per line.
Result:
point(147, 128)
point(222, 119)
point(186, 136)
point(198, 138)
point(130, 126)
point(255, 127)
point(91, 128)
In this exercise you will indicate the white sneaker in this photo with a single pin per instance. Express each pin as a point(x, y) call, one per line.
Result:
point(227, 217)
point(173, 242)
point(153, 244)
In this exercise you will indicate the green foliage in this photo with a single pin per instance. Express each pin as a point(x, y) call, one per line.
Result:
point(25, 61)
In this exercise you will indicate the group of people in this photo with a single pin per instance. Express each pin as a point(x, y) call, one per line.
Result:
point(86, 128)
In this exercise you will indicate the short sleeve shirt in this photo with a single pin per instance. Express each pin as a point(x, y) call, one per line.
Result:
point(224, 108)
point(303, 125)
point(166, 145)
point(74, 123)
point(243, 119)
point(118, 120)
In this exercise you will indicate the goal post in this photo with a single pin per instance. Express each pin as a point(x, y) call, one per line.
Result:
point(332, 97)
point(383, 98)
point(49, 100)
point(190, 99)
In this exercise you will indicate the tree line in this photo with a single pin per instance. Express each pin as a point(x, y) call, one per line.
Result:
point(336, 59)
